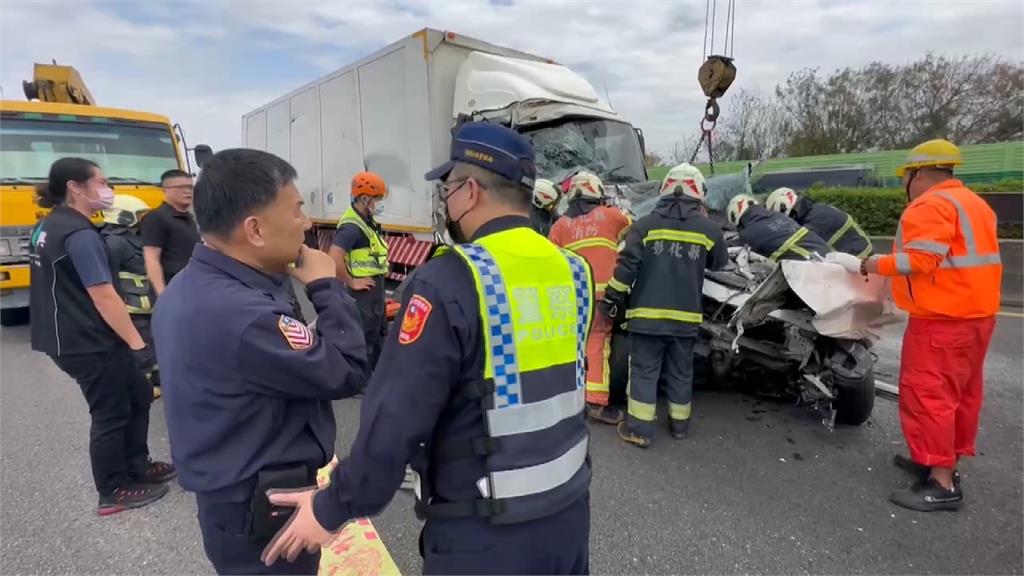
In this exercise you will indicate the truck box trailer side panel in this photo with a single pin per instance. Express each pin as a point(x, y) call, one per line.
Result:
point(278, 130)
point(255, 130)
point(304, 148)
point(342, 137)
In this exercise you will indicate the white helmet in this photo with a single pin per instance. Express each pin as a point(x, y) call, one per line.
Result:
point(738, 206)
point(782, 200)
point(126, 211)
point(684, 180)
point(587, 185)
point(544, 193)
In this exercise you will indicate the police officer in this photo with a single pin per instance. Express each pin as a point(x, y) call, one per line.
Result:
point(361, 256)
point(481, 388)
point(544, 208)
point(661, 268)
point(79, 320)
point(771, 234)
point(841, 231)
point(248, 387)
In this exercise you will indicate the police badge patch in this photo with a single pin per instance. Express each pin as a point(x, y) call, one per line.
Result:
point(295, 333)
point(416, 314)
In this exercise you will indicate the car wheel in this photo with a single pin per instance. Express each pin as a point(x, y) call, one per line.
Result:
point(855, 398)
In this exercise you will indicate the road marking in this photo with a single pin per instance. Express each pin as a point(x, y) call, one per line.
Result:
point(358, 549)
point(1010, 314)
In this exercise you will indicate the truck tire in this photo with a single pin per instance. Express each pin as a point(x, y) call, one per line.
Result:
point(855, 399)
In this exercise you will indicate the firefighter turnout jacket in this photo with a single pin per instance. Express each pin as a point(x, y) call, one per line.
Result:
point(661, 268)
point(947, 251)
point(839, 230)
point(777, 236)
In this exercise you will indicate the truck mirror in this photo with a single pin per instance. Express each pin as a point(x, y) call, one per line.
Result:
point(203, 154)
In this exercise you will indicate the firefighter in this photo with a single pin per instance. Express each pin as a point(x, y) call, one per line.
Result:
point(361, 255)
point(771, 234)
point(544, 209)
point(946, 273)
point(480, 388)
point(841, 231)
point(594, 230)
point(128, 267)
point(661, 269)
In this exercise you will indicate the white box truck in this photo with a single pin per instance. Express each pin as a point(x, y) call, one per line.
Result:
point(393, 112)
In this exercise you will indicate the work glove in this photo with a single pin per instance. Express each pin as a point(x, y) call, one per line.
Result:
point(848, 261)
point(145, 360)
point(610, 307)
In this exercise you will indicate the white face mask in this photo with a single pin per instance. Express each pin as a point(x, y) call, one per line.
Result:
point(378, 208)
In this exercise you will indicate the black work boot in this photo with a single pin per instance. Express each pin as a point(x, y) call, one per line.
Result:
point(929, 496)
point(678, 428)
point(130, 495)
point(605, 414)
point(627, 434)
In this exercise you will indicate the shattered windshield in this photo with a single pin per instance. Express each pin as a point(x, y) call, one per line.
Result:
point(607, 148)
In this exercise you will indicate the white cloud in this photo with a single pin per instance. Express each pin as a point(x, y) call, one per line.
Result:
point(205, 64)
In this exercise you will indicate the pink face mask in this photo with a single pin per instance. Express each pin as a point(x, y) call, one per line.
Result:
point(104, 200)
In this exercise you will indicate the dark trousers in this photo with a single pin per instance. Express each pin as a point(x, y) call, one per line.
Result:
point(118, 396)
point(648, 357)
point(558, 544)
point(143, 323)
point(371, 312)
point(227, 544)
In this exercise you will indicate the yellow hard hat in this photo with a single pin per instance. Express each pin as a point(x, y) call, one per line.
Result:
point(932, 153)
point(126, 211)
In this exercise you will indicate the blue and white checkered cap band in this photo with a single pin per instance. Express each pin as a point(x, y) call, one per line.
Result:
point(499, 324)
point(580, 281)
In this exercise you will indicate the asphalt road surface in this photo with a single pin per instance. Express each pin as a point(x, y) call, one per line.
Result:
point(759, 487)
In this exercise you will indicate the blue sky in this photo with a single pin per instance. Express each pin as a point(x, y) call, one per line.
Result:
point(205, 64)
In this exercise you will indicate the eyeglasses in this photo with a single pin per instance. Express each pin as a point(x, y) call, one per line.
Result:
point(446, 190)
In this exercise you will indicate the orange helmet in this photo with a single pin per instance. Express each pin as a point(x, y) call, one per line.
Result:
point(368, 184)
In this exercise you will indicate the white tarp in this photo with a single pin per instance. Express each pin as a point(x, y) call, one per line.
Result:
point(845, 305)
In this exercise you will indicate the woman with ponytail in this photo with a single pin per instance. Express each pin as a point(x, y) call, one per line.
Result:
point(80, 321)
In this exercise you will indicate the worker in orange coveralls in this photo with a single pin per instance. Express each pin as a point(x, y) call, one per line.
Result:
point(593, 230)
point(945, 270)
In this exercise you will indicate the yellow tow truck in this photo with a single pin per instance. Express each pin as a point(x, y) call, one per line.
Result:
point(60, 118)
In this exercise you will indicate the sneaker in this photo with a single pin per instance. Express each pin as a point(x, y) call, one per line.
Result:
point(929, 496)
point(678, 428)
point(606, 414)
point(631, 437)
point(130, 495)
point(158, 473)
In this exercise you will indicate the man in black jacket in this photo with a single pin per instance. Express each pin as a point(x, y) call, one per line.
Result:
point(771, 234)
point(661, 268)
point(840, 231)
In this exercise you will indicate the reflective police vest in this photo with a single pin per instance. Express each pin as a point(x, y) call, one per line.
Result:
point(369, 261)
point(536, 313)
point(129, 267)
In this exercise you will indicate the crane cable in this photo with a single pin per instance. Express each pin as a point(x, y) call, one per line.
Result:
point(716, 74)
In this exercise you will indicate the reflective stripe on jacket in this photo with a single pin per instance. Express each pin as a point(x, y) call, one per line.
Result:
point(779, 237)
point(947, 251)
point(595, 236)
point(536, 308)
point(839, 230)
point(370, 261)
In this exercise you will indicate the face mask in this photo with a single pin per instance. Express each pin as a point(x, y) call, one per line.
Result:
point(378, 209)
point(452, 225)
point(104, 199)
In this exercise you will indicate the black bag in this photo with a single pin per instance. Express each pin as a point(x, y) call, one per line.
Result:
point(266, 519)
